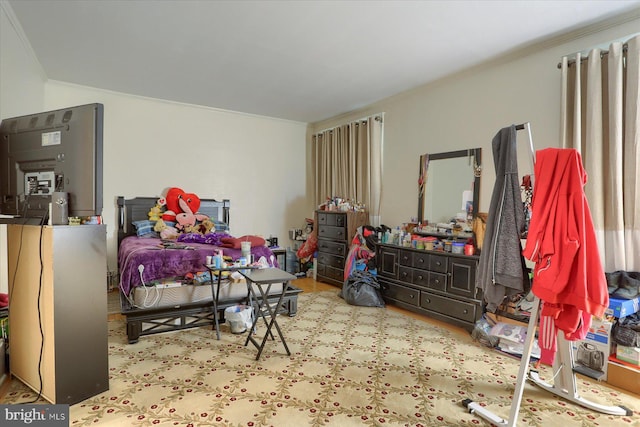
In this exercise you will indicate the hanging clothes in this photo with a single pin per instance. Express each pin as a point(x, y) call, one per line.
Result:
point(501, 269)
point(568, 274)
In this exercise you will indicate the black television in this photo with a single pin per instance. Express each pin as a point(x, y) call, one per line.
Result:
point(52, 151)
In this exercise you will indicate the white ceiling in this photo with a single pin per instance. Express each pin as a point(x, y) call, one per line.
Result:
point(297, 60)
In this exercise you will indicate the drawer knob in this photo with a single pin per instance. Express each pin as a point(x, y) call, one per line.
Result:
point(421, 260)
point(420, 277)
point(465, 311)
point(438, 263)
point(437, 281)
point(404, 274)
point(412, 296)
point(427, 300)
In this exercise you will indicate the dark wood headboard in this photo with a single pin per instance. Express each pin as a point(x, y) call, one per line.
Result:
point(137, 209)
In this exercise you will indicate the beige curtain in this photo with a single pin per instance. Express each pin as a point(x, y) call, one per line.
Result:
point(600, 118)
point(348, 164)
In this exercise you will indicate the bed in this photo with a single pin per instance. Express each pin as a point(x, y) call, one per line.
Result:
point(170, 305)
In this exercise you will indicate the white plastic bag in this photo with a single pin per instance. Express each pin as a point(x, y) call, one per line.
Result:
point(238, 317)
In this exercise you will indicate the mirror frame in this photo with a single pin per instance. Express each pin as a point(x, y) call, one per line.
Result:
point(477, 153)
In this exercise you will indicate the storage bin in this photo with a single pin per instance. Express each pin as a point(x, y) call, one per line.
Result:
point(457, 247)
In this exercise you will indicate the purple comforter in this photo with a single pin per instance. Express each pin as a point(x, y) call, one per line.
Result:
point(160, 263)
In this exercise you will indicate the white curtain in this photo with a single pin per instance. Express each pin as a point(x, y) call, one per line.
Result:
point(600, 118)
point(348, 164)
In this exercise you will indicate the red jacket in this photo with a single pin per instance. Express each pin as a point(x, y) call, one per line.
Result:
point(568, 273)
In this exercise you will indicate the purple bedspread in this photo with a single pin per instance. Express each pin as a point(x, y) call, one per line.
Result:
point(160, 263)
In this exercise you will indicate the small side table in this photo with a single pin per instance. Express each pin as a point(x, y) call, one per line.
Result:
point(263, 279)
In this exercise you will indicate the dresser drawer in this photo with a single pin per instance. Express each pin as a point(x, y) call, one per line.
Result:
point(332, 260)
point(330, 272)
point(438, 263)
point(405, 274)
point(331, 247)
point(401, 293)
point(437, 281)
point(332, 219)
point(406, 258)
point(424, 260)
point(423, 278)
point(450, 307)
point(331, 232)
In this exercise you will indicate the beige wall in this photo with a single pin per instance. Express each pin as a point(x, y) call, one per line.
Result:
point(21, 76)
point(150, 145)
point(21, 92)
point(467, 110)
point(261, 163)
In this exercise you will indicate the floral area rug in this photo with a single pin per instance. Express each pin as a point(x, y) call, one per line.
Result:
point(350, 366)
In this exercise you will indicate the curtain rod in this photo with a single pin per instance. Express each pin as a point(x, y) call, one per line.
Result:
point(376, 117)
point(584, 58)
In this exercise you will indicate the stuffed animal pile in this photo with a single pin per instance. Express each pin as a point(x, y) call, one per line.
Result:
point(177, 212)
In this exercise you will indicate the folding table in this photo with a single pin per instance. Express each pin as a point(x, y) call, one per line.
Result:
point(264, 278)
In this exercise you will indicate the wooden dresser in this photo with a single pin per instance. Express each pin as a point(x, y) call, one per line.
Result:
point(436, 283)
point(335, 232)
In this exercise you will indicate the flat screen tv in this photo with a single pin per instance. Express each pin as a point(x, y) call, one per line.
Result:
point(53, 151)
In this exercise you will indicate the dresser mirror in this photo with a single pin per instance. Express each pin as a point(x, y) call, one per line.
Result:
point(449, 185)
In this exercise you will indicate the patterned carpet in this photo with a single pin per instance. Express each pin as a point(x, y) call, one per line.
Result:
point(350, 366)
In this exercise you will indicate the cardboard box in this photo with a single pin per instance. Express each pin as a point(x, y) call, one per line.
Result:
point(628, 354)
point(624, 377)
point(590, 355)
point(623, 307)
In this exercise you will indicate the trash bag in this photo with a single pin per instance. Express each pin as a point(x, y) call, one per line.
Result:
point(482, 333)
point(362, 288)
point(239, 318)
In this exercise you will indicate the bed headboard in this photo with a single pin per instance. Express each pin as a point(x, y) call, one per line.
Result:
point(137, 209)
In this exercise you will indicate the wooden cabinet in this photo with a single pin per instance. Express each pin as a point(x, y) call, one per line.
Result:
point(335, 232)
point(438, 284)
point(58, 282)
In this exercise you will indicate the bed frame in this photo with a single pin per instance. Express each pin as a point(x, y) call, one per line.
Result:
point(148, 321)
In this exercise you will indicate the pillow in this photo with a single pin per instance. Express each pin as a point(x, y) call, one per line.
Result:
point(220, 226)
point(144, 228)
point(232, 242)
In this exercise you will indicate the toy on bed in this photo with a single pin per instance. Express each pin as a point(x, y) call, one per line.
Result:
point(182, 207)
point(177, 213)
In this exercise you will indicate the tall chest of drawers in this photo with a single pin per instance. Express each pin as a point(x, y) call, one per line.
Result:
point(438, 284)
point(335, 232)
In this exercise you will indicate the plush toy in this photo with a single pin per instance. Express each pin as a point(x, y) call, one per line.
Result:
point(155, 213)
point(205, 227)
point(182, 208)
point(166, 231)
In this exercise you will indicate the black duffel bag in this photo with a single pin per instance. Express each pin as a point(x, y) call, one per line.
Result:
point(626, 331)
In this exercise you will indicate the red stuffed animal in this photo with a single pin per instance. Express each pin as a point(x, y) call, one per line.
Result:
point(182, 208)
